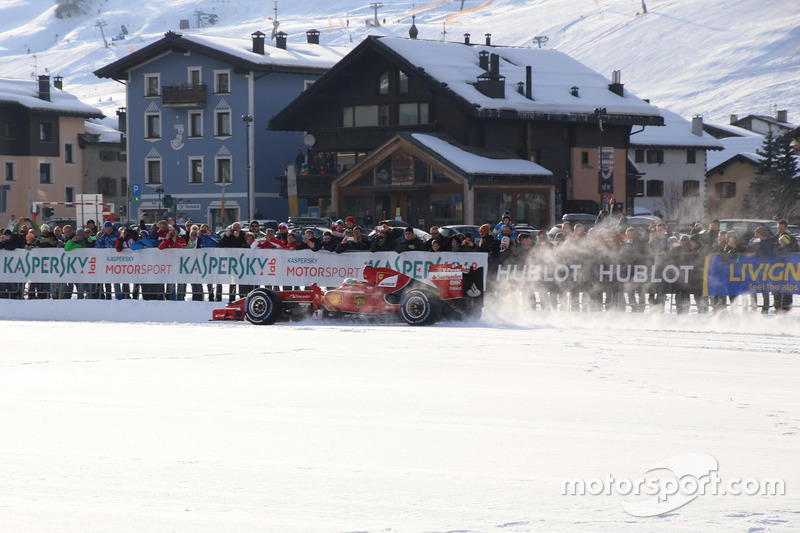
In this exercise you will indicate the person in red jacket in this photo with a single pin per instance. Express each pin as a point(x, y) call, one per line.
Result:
point(270, 241)
point(173, 240)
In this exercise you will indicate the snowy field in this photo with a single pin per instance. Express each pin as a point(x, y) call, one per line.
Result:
point(171, 423)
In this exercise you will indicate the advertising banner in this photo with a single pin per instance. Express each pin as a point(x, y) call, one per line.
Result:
point(213, 265)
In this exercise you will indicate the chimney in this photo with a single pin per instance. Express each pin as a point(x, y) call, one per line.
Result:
point(782, 115)
point(483, 60)
point(488, 39)
point(312, 36)
point(521, 87)
point(122, 119)
point(491, 83)
point(280, 40)
point(616, 85)
point(494, 64)
point(58, 83)
point(529, 82)
point(697, 125)
point(44, 88)
point(574, 92)
point(734, 119)
point(466, 38)
point(413, 31)
point(258, 42)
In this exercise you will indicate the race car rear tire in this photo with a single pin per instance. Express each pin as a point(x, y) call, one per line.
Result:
point(262, 307)
point(418, 308)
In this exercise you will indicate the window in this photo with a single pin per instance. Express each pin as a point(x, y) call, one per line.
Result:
point(152, 84)
point(638, 156)
point(46, 173)
point(223, 174)
point(585, 159)
point(69, 153)
point(365, 115)
point(195, 124)
point(107, 186)
point(196, 170)
point(383, 83)
point(691, 157)
point(153, 126)
point(655, 188)
point(726, 189)
point(46, 132)
point(69, 194)
point(11, 171)
point(422, 171)
point(153, 171)
point(222, 82)
point(691, 188)
point(413, 113)
point(655, 156)
point(123, 186)
point(195, 76)
point(222, 124)
point(639, 187)
point(402, 82)
point(11, 131)
point(347, 117)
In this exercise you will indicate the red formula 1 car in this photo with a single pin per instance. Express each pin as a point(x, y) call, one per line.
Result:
point(450, 291)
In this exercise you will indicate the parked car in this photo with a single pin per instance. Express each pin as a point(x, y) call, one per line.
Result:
point(745, 228)
point(580, 218)
point(304, 222)
point(449, 231)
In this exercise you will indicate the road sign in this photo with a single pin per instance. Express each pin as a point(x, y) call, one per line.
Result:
point(135, 191)
point(606, 198)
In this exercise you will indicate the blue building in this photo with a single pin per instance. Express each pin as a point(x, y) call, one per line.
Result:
point(196, 121)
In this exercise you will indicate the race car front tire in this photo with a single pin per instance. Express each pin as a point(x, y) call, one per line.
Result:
point(262, 307)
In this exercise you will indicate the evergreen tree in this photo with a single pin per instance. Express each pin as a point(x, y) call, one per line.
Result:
point(67, 8)
point(776, 188)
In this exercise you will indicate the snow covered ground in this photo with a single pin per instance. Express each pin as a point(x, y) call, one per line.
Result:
point(156, 420)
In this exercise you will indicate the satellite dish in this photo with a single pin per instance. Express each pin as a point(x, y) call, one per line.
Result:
point(309, 140)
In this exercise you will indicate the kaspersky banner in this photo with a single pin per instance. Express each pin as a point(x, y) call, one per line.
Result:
point(214, 265)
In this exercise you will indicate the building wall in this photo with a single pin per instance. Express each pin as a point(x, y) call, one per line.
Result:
point(107, 161)
point(738, 172)
point(673, 172)
point(27, 187)
point(261, 98)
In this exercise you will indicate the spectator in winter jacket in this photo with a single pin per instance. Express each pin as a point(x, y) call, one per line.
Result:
point(412, 243)
point(328, 243)
point(108, 239)
point(383, 241)
point(291, 241)
point(233, 238)
point(207, 239)
point(172, 241)
point(8, 242)
point(349, 243)
point(309, 242)
point(283, 232)
point(270, 241)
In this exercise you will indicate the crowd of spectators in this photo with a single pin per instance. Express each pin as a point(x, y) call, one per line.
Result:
point(609, 238)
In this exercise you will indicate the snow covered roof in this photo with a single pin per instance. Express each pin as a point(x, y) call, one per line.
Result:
point(104, 133)
point(295, 55)
point(676, 132)
point(554, 74)
point(298, 57)
point(744, 142)
point(475, 164)
point(26, 94)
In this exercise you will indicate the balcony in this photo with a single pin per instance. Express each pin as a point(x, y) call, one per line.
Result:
point(310, 186)
point(185, 95)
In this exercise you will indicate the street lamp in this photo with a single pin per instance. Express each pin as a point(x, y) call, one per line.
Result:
point(248, 119)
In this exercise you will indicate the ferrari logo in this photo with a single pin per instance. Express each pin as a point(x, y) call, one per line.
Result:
point(359, 300)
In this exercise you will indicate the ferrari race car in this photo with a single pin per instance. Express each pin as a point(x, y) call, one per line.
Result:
point(450, 292)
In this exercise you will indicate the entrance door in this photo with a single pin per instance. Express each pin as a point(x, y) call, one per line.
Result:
point(391, 206)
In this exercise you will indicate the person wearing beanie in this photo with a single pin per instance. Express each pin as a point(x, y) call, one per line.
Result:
point(349, 223)
point(488, 243)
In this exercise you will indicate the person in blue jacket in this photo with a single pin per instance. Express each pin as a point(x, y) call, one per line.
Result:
point(207, 239)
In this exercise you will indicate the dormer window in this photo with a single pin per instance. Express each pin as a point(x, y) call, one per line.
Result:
point(383, 84)
point(402, 83)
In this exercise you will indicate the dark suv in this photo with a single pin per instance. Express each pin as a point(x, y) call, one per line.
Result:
point(746, 227)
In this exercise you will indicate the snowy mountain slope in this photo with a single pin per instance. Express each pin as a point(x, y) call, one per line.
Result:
point(714, 57)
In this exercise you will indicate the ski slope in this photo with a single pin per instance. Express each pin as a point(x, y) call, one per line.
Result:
point(714, 58)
